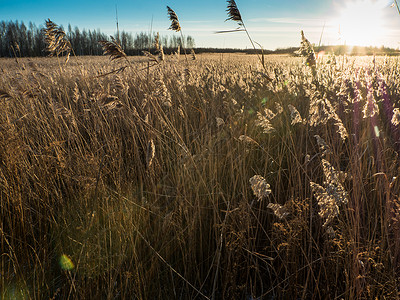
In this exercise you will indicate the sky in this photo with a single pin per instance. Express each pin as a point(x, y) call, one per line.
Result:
point(271, 23)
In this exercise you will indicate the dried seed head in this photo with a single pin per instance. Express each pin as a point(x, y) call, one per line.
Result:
point(396, 117)
point(328, 208)
point(76, 95)
point(264, 122)
point(279, 211)
point(323, 146)
point(295, 115)
point(151, 151)
point(247, 139)
point(112, 48)
point(341, 130)
point(151, 57)
point(331, 195)
point(307, 159)
point(174, 20)
point(320, 112)
point(279, 108)
point(260, 187)
point(219, 121)
point(56, 41)
point(370, 107)
point(233, 12)
point(269, 114)
point(157, 44)
point(193, 54)
point(163, 94)
point(161, 55)
point(306, 50)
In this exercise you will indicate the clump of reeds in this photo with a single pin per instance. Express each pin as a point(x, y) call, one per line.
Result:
point(129, 185)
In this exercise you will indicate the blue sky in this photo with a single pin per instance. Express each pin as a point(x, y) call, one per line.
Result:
point(272, 23)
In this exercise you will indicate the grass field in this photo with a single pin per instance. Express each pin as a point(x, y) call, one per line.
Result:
point(200, 179)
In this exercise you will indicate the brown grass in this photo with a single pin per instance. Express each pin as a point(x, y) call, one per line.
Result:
point(127, 185)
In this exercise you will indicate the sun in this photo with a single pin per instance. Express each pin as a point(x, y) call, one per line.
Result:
point(361, 22)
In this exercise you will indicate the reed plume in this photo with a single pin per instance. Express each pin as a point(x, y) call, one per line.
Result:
point(174, 20)
point(113, 48)
point(159, 48)
point(279, 210)
point(295, 115)
point(247, 139)
point(151, 57)
point(331, 195)
point(264, 121)
point(175, 26)
point(193, 54)
point(56, 41)
point(150, 153)
point(234, 13)
point(323, 146)
point(306, 50)
point(396, 117)
point(260, 187)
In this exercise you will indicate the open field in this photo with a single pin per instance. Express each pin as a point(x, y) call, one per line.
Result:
point(142, 184)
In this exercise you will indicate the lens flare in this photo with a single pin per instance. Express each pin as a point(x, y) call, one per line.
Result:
point(66, 263)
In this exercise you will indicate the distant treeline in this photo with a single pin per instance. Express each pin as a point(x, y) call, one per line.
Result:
point(17, 39)
point(337, 50)
point(358, 50)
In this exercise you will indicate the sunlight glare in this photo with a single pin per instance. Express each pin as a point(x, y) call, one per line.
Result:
point(361, 22)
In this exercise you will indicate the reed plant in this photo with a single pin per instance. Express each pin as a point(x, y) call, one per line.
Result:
point(217, 183)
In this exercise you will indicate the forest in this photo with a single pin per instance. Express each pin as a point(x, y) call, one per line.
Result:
point(17, 39)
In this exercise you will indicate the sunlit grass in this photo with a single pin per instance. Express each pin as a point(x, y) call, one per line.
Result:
point(200, 178)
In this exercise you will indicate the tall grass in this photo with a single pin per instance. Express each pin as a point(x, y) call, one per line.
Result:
point(214, 183)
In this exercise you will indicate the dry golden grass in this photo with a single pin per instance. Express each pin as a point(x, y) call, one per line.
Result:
point(138, 185)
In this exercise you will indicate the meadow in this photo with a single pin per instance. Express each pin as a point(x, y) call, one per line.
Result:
point(213, 178)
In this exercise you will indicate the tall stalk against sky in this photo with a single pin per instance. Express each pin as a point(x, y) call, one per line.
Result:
point(397, 6)
point(175, 26)
point(234, 15)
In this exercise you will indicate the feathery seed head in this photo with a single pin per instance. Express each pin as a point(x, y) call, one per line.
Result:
point(260, 187)
point(396, 117)
point(247, 139)
point(234, 13)
point(331, 195)
point(151, 151)
point(295, 115)
point(323, 146)
point(113, 48)
point(56, 41)
point(265, 123)
point(175, 26)
point(279, 210)
point(306, 50)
